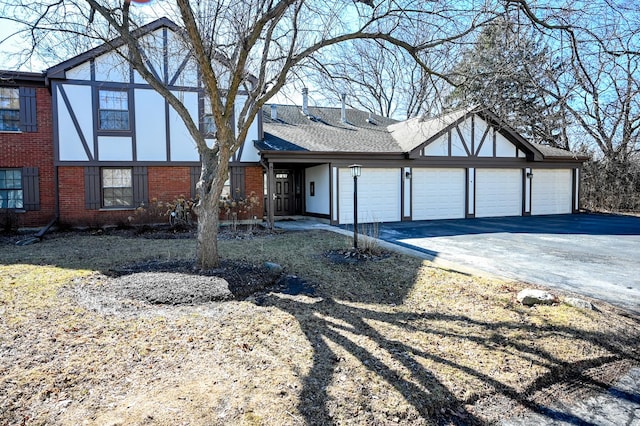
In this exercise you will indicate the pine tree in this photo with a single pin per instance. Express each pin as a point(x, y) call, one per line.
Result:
point(507, 70)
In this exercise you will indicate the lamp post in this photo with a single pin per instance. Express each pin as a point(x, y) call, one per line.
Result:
point(355, 172)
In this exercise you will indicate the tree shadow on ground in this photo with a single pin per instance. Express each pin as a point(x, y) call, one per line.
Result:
point(335, 327)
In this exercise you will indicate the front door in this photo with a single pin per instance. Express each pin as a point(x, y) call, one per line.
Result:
point(284, 193)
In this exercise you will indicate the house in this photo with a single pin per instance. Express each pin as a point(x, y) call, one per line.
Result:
point(464, 164)
point(27, 179)
point(89, 141)
point(117, 144)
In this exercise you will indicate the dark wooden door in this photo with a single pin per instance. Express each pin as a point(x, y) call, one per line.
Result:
point(284, 192)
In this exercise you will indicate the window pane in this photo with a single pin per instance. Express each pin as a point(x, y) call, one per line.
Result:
point(12, 199)
point(209, 124)
point(10, 179)
point(117, 188)
point(113, 110)
point(112, 99)
point(9, 109)
point(9, 98)
point(114, 120)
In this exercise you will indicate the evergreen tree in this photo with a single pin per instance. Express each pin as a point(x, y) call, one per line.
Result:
point(510, 71)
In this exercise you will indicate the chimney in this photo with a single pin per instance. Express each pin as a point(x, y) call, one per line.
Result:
point(274, 112)
point(305, 101)
point(343, 112)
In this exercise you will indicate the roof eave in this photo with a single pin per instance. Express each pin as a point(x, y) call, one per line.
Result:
point(59, 70)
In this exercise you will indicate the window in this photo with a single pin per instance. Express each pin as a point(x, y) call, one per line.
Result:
point(11, 194)
point(117, 188)
point(113, 113)
point(208, 123)
point(9, 109)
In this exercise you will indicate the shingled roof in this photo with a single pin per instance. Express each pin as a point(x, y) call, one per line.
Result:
point(322, 130)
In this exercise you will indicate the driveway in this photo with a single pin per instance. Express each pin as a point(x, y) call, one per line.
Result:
point(593, 255)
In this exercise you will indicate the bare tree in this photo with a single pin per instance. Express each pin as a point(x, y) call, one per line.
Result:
point(245, 52)
point(599, 87)
point(379, 79)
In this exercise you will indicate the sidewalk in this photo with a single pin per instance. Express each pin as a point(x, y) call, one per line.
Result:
point(620, 405)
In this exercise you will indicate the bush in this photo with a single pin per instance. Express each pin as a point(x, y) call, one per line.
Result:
point(234, 210)
point(8, 221)
point(611, 185)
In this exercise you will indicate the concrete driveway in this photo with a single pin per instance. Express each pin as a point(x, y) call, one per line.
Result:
point(593, 255)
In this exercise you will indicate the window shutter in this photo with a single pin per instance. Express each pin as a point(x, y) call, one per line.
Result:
point(30, 188)
point(28, 118)
point(194, 171)
point(140, 186)
point(237, 182)
point(92, 199)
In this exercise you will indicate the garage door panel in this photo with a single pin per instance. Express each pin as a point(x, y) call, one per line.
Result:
point(438, 194)
point(551, 192)
point(498, 192)
point(378, 195)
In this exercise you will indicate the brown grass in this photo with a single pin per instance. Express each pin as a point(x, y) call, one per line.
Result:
point(396, 341)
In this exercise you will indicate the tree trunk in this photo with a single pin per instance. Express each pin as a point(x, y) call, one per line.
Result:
point(208, 221)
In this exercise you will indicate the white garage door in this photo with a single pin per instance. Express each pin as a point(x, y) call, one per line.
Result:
point(551, 191)
point(498, 192)
point(378, 195)
point(438, 194)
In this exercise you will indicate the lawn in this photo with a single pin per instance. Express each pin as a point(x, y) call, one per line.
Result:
point(390, 341)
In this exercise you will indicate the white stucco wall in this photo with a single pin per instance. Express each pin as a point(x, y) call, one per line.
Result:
point(151, 138)
point(319, 203)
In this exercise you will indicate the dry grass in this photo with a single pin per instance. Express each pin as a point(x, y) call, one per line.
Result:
point(396, 341)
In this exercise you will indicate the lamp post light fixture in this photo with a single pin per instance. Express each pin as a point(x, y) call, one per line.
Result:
point(355, 172)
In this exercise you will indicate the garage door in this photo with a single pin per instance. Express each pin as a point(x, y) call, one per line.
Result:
point(438, 194)
point(551, 191)
point(378, 195)
point(498, 192)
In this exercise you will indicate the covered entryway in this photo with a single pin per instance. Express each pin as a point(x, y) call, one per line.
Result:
point(438, 193)
point(378, 195)
point(283, 199)
point(498, 192)
point(551, 191)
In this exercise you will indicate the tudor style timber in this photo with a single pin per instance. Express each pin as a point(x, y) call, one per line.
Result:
point(89, 141)
point(27, 181)
point(464, 164)
point(118, 143)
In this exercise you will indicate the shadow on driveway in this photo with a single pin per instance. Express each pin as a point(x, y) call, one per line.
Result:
point(590, 254)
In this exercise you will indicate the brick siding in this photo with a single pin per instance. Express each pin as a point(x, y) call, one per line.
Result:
point(165, 185)
point(34, 149)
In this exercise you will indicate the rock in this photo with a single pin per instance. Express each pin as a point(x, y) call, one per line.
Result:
point(579, 303)
point(530, 297)
point(273, 268)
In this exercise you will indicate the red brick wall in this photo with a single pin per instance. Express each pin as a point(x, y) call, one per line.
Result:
point(253, 183)
point(168, 183)
point(72, 202)
point(34, 149)
point(165, 184)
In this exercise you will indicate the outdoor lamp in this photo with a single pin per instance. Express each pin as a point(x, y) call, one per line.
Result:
point(355, 172)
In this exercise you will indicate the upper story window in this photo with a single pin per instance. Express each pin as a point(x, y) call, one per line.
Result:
point(113, 112)
point(11, 194)
point(209, 124)
point(9, 109)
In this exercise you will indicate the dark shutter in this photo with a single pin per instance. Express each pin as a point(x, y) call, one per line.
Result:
point(194, 171)
point(30, 188)
point(237, 182)
point(92, 199)
point(28, 118)
point(140, 186)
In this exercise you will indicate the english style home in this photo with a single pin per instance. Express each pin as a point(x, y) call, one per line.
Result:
point(88, 141)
